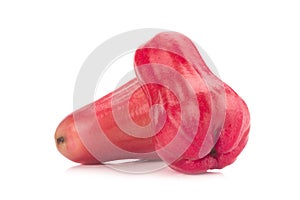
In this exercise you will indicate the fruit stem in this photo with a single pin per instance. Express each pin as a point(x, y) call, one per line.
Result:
point(60, 140)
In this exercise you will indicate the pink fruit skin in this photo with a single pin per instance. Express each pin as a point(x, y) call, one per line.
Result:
point(82, 145)
point(221, 109)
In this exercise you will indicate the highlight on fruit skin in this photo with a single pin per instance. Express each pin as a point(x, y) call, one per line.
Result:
point(218, 137)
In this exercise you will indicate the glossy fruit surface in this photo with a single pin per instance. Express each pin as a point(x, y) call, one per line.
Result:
point(176, 110)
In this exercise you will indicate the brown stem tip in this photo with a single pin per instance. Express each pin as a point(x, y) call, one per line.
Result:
point(60, 140)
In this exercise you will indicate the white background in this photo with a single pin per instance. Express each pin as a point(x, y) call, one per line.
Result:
point(254, 44)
